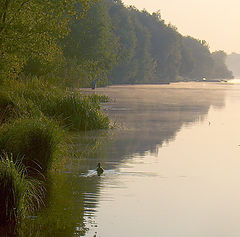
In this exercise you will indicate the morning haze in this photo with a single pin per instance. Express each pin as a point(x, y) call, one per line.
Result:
point(215, 21)
point(112, 123)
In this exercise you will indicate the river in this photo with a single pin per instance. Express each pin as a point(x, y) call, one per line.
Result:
point(171, 167)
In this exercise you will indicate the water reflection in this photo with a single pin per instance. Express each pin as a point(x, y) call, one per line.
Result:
point(150, 117)
point(70, 208)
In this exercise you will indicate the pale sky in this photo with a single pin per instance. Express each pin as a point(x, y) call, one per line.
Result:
point(216, 21)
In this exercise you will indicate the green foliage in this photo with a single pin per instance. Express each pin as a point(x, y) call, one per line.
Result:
point(99, 98)
point(109, 42)
point(123, 28)
point(39, 141)
point(8, 109)
point(153, 48)
point(220, 69)
point(92, 44)
point(35, 98)
point(198, 62)
point(77, 112)
point(150, 51)
point(201, 62)
point(233, 63)
point(143, 61)
point(19, 194)
point(28, 95)
point(165, 50)
point(29, 30)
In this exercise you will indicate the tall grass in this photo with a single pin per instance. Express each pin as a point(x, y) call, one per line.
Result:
point(35, 98)
point(39, 141)
point(77, 112)
point(19, 194)
point(8, 109)
point(33, 115)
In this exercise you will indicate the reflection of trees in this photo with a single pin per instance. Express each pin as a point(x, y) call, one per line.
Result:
point(71, 204)
point(72, 194)
point(152, 115)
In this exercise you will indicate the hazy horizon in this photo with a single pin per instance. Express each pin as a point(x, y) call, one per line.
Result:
point(211, 20)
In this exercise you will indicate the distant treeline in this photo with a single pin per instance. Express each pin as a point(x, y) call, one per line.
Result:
point(233, 63)
point(86, 40)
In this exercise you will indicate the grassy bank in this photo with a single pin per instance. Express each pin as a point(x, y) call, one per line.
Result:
point(34, 98)
point(19, 194)
point(38, 140)
point(35, 121)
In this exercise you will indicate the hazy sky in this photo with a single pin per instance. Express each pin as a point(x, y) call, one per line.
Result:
point(216, 21)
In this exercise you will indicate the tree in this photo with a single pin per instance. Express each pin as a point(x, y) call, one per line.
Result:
point(198, 61)
point(123, 28)
point(143, 61)
point(233, 63)
point(30, 30)
point(92, 44)
point(165, 46)
point(220, 69)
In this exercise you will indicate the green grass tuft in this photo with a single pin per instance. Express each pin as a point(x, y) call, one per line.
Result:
point(35, 98)
point(99, 98)
point(8, 109)
point(19, 195)
point(77, 112)
point(39, 141)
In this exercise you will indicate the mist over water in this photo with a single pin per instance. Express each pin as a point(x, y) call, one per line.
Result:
point(171, 168)
point(234, 81)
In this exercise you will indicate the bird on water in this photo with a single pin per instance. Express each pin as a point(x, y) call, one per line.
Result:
point(99, 169)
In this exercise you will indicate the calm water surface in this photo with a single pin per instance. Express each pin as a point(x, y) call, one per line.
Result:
point(171, 170)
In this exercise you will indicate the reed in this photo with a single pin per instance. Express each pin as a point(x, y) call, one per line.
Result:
point(98, 98)
point(38, 140)
point(8, 109)
point(19, 195)
point(72, 109)
point(77, 112)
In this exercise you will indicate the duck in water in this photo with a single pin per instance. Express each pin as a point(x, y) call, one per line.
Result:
point(99, 169)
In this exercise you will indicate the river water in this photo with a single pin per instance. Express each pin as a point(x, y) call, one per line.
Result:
point(172, 167)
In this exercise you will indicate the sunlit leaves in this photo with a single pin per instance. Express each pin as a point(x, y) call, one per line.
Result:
point(31, 29)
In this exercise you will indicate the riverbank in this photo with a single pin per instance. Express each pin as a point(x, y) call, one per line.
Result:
point(145, 157)
point(37, 119)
